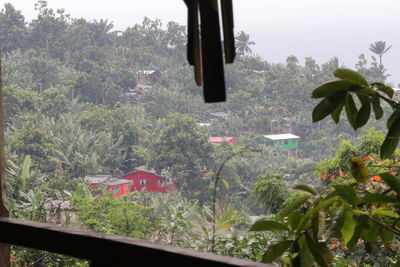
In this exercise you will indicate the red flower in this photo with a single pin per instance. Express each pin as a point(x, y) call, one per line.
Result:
point(376, 178)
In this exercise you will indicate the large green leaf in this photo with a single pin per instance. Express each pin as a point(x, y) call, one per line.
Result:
point(384, 88)
point(293, 219)
point(322, 205)
point(225, 183)
point(365, 91)
point(393, 117)
point(318, 225)
point(351, 111)
point(363, 114)
point(276, 250)
point(372, 232)
point(348, 227)
point(347, 193)
point(268, 225)
point(336, 113)
point(392, 181)
point(306, 258)
point(327, 106)
point(386, 213)
point(376, 105)
point(330, 88)
point(26, 167)
point(351, 76)
point(356, 236)
point(294, 205)
point(306, 188)
point(391, 140)
point(316, 251)
point(386, 235)
point(377, 198)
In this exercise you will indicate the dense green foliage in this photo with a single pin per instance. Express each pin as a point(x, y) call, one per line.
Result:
point(349, 220)
point(357, 212)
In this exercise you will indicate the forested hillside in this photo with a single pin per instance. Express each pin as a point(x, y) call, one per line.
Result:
point(83, 99)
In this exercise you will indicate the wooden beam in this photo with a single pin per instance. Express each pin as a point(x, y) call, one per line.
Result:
point(229, 36)
point(106, 250)
point(211, 52)
point(4, 248)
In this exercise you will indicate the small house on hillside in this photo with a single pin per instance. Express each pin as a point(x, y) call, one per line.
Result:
point(219, 116)
point(138, 94)
point(149, 76)
point(119, 187)
point(153, 182)
point(217, 140)
point(203, 124)
point(288, 142)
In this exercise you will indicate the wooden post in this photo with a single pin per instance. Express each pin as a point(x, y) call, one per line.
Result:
point(4, 248)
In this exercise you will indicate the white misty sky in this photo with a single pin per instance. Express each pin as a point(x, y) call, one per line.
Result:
point(317, 28)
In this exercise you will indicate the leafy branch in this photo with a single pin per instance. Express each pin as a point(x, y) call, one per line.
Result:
point(340, 94)
point(353, 213)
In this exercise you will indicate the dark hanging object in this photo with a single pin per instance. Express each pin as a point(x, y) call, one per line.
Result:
point(204, 49)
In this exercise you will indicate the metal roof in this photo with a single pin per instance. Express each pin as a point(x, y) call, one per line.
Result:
point(220, 114)
point(105, 179)
point(281, 136)
point(220, 139)
point(118, 182)
point(144, 169)
point(164, 173)
point(142, 86)
point(97, 179)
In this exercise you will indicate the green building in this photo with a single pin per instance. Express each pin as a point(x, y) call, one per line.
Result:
point(288, 142)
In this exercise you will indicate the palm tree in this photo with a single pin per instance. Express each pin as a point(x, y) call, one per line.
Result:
point(242, 43)
point(379, 48)
point(102, 29)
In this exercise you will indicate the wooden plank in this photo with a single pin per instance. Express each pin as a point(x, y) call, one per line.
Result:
point(211, 52)
point(229, 36)
point(4, 248)
point(106, 250)
point(193, 44)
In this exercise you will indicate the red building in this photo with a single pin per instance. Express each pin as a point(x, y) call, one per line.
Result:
point(119, 187)
point(142, 177)
point(217, 140)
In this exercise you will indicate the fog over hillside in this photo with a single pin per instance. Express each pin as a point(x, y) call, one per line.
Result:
point(308, 28)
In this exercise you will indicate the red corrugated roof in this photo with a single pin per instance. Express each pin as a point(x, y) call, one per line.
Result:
point(216, 140)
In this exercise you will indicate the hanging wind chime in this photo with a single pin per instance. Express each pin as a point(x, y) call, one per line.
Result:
point(204, 49)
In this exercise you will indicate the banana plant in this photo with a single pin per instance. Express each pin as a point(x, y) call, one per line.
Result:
point(21, 177)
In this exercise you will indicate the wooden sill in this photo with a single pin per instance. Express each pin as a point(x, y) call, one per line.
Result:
point(106, 250)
